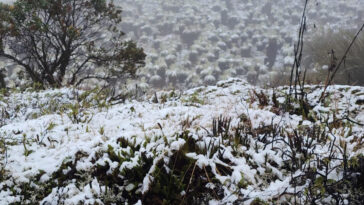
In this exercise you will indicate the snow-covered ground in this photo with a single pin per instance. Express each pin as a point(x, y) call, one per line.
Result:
point(55, 143)
point(230, 142)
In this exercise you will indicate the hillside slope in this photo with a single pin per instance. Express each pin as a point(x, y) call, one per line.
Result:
point(221, 144)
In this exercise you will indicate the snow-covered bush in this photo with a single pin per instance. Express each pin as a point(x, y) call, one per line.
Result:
point(170, 59)
point(189, 36)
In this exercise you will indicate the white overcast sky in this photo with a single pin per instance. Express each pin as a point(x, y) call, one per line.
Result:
point(7, 1)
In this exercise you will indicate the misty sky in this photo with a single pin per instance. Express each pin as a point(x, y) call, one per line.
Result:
point(191, 42)
point(7, 1)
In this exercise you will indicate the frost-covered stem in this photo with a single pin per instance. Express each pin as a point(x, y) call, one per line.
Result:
point(298, 50)
point(189, 183)
point(208, 178)
point(345, 162)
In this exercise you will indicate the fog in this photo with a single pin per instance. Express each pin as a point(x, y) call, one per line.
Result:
point(7, 1)
point(191, 43)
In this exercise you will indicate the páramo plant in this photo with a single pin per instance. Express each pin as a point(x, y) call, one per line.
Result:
point(68, 42)
point(2, 79)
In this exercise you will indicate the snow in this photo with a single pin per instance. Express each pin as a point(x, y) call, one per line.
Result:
point(288, 60)
point(360, 117)
point(161, 124)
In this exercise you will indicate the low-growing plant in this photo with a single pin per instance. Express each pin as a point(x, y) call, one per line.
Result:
point(194, 99)
point(25, 142)
point(258, 201)
point(262, 98)
point(3, 157)
point(102, 130)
